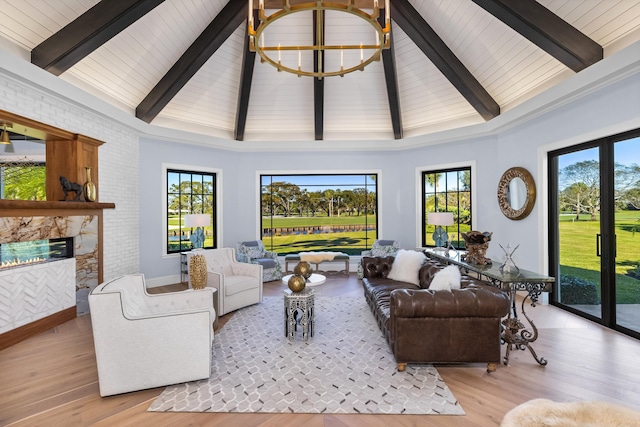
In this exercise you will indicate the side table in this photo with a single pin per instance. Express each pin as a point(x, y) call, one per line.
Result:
point(184, 267)
point(294, 303)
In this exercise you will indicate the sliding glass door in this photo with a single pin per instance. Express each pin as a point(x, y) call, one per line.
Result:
point(595, 230)
point(627, 232)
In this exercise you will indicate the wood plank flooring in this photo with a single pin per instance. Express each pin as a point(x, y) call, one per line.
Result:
point(51, 379)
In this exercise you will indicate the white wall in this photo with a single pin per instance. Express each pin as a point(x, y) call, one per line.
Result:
point(601, 100)
point(577, 117)
point(33, 93)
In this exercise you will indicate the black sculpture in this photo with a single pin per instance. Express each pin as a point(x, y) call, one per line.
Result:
point(70, 186)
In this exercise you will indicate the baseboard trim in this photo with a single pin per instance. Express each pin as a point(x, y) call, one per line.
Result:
point(36, 327)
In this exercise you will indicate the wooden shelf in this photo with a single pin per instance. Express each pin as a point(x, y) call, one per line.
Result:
point(34, 204)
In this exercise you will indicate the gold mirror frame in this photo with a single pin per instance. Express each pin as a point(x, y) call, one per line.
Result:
point(503, 193)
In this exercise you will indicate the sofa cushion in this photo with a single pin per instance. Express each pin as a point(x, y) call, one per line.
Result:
point(447, 278)
point(266, 263)
point(376, 266)
point(406, 266)
point(427, 271)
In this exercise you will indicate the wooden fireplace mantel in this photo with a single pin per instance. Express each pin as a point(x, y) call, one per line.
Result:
point(49, 208)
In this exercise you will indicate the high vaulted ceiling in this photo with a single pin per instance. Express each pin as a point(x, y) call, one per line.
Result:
point(184, 64)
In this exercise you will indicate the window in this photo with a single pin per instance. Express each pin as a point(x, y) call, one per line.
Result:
point(319, 212)
point(22, 180)
point(189, 192)
point(447, 190)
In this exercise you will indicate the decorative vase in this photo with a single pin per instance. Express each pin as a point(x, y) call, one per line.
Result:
point(303, 269)
point(509, 266)
point(297, 283)
point(476, 244)
point(89, 187)
point(198, 271)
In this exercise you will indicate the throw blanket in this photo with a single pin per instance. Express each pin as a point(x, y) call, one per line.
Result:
point(318, 257)
point(543, 412)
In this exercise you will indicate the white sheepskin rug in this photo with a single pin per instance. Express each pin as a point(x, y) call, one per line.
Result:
point(546, 413)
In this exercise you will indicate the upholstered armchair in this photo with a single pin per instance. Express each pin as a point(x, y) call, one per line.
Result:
point(380, 248)
point(149, 340)
point(253, 252)
point(239, 284)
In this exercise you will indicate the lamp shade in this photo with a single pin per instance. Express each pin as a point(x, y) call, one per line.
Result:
point(197, 220)
point(440, 218)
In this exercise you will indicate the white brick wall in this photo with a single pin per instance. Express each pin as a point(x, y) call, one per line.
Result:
point(118, 164)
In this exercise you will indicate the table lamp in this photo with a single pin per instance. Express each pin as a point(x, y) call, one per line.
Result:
point(198, 221)
point(440, 236)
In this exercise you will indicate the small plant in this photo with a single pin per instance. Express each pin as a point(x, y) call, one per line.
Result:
point(574, 290)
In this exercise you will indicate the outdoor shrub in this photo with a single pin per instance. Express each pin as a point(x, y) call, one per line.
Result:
point(574, 290)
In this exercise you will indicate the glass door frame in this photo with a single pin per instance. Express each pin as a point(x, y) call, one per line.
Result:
point(606, 158)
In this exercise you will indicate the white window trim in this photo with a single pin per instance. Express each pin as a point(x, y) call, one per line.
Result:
point(194, 169)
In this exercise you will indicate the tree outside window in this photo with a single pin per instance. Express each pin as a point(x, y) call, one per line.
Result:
point(189, 192)
point(319, 212)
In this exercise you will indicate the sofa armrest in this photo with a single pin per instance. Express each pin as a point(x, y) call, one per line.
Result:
point(179, 302)
point(472, 301)
point(376, 266)
point(243, 269)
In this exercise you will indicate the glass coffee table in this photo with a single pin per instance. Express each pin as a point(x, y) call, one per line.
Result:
point(313, 280)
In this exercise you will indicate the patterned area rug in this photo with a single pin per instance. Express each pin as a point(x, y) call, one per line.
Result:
point(346, 367)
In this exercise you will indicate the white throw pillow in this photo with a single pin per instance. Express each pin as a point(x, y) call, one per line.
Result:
point(447, 278)
point(406, 266)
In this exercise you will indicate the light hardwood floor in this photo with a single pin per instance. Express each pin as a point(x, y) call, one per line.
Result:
point(51, 379)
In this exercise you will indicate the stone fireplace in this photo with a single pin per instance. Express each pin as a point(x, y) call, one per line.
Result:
point(60, 285)
point(81, 229)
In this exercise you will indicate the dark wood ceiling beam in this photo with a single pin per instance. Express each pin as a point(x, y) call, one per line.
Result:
point(547, 30)
point(223, 25)
point(88, 32)
point(391, 79)
point(248, 62)
point(443, 58)
point(318, 84)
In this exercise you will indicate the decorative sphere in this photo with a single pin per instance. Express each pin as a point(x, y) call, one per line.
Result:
point(297, 283)
point(303, 269)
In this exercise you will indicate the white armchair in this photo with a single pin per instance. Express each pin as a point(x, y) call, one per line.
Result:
point(149, 340)
point(239, 284)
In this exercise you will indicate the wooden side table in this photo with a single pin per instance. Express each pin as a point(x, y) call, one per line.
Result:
point(302, 303)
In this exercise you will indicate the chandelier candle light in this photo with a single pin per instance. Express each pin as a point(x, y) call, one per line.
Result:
point(318, 47)
point(198, 221)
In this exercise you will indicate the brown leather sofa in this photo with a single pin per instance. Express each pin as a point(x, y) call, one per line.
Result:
point(427, 326)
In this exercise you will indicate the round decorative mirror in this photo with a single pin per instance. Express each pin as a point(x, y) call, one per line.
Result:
point(516, 193)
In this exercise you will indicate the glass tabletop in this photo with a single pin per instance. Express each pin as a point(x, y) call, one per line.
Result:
point(492, 270)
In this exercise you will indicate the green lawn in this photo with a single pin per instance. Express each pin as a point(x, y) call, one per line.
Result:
point(578, 256)
point(296, 221)
point(298, 234)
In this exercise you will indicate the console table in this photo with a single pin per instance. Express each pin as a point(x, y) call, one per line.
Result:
point(514, 333)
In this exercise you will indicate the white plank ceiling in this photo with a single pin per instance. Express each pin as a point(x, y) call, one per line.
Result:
point(281, 106)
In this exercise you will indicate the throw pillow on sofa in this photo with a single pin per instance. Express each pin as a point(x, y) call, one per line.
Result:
point(445, 279)
point(406, 266)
